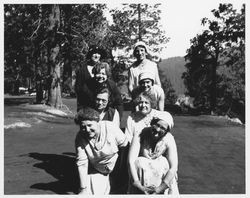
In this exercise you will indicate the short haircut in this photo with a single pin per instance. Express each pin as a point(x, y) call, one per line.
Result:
point(87, 113)
point(102, 90)
point(102, 65)
point(148, 96)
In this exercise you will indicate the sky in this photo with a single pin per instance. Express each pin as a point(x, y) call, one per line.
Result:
point(182, 21)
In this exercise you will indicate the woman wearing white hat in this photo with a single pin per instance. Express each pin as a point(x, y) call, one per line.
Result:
point(150, 172)
point(146, 84)
point(141, 64)
point(154, 158)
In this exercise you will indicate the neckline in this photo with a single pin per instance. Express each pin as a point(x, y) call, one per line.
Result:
point(100, 141)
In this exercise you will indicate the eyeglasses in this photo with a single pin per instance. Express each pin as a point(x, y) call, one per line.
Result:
point(101, 100)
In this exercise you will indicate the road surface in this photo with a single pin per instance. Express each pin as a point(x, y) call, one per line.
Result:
point(40, 159)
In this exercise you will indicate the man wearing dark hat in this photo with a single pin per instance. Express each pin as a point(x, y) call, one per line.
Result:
point(94, 55)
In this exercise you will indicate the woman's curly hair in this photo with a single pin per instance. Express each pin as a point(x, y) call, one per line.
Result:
point(86, 113)
point(102, 65)
point(146, 95)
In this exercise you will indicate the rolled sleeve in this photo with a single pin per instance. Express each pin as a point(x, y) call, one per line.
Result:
point(81, 157)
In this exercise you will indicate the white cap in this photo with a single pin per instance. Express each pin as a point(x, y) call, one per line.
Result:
point(146, 75)
point(165, 116)
point(140, 43)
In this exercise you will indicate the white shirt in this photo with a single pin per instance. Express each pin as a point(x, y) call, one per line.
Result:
point(156, 91)
point(135, 124)
point(90, 68)
point(145, 65)
point(103, 159)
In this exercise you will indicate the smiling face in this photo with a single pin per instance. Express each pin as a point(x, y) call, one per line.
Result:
point(101, 76)
point(159, 129)
point(144, 105)
point(146, 84)
point(101, 101)
point(89, 128)
point(140, 53)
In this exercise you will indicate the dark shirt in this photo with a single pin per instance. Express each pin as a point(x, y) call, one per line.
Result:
point(88, 93)
point(81, 89)
point(109, 114)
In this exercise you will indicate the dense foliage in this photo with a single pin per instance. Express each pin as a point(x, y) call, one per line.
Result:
point(42, 36)
point(215, 74)
point(31, 32)
point(173, 68)
point(131, 23)
point(138, 22)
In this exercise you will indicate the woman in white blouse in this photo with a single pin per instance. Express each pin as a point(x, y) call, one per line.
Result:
point(141, 64)
point(97, 144)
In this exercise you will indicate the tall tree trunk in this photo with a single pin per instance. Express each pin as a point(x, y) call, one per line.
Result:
point(55, 99)
point(67, 69)
point(139, 23)
point(213, 92)
point(54, 92)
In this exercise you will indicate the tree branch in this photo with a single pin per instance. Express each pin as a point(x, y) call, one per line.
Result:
point(38, 26)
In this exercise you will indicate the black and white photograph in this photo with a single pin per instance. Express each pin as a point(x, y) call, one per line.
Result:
point(124, 98)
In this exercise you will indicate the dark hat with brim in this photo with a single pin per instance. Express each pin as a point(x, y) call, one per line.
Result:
point(96, 50)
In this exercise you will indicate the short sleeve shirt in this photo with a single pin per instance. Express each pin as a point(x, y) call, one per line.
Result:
point(135, 124)
point(103, 159)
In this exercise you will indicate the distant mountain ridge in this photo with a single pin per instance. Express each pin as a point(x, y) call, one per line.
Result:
point(173, 68)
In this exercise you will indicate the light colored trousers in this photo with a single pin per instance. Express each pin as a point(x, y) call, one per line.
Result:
point(98, 184)
point(151, 172)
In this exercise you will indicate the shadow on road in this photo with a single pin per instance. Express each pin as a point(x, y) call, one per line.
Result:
point(17, 101)
point(61, 167)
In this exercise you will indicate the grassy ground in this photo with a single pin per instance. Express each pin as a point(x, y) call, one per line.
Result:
point(40, 159)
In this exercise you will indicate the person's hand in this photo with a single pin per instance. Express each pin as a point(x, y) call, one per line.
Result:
point(160, 189)
point(145, 190)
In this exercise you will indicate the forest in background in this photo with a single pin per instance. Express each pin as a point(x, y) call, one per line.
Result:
point(56, 38)
point(173, 68)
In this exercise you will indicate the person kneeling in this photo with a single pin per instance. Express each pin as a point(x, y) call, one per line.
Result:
point(153, 172)
point(97, 145)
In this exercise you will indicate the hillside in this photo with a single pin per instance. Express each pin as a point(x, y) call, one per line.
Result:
point(173, 68)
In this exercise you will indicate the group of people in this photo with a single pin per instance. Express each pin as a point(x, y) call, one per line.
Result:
point(152, 159)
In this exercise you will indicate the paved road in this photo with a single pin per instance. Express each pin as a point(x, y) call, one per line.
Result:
point(40, 159)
